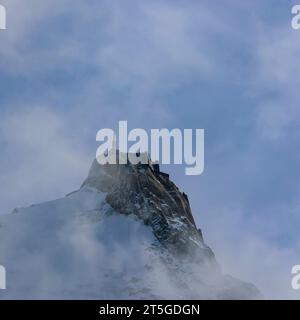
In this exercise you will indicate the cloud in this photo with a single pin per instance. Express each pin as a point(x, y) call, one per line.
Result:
point(277, 52)
point(77, 247)
point(254, 256)
point(41, 158)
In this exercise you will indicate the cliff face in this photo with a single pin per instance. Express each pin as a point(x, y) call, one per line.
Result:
point(148, 193)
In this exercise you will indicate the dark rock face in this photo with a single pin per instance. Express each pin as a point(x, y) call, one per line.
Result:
point(149, 194)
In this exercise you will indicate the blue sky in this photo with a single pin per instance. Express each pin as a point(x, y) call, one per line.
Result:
point(70, 68)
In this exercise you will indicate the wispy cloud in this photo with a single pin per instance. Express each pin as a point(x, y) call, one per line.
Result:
point(41, 158)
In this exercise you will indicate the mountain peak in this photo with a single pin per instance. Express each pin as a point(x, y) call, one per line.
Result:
point(128, 232)
point(149, 194)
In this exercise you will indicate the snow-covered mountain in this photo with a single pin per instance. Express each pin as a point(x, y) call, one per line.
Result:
point(127, 233)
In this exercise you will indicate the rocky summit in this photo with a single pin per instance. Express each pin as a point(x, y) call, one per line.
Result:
point(146, 192)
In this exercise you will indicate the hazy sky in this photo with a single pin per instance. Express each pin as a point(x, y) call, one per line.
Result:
point(69, 68)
